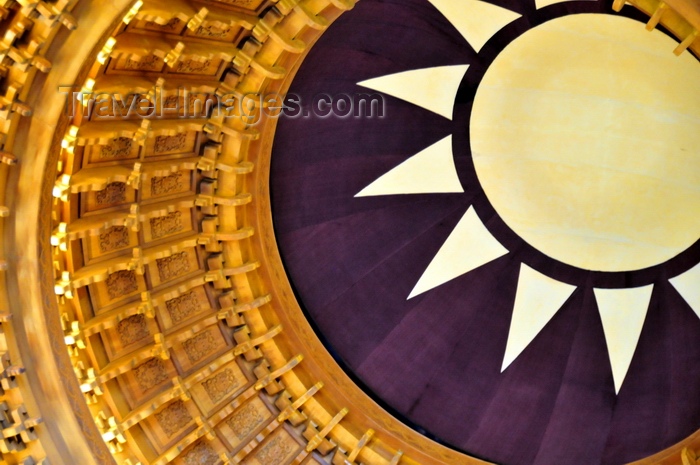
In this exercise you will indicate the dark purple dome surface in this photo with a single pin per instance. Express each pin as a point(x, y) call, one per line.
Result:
point(435, 359)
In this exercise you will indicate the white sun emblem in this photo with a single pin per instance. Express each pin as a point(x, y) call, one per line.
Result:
point(585, 140)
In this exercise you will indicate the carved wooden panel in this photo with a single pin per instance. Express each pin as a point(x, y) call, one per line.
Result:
point(150, 373)
point(146, 379)
point(177, 183)
point(216, 30)
point(121, 284)
point(217, 26)
point(171, 224)
point(115, 194)
point(175, 144)
point(118, 149)
point(129, 62)
point(245, 422)
point(113, 240)
point(202, 452)
point(163, 226)
point(131, 333)
point(279, 448)
point(199, 348)
point(170, 423)
point(174, 26)
point(225, 383)
point(165, 145)
point(175, 266)
point(132, 329)
point(220, 385)
point(183, 307)
point(194, 65)
point(173, 418)
point(118, 287)
point(188, 66)
point(126, 105)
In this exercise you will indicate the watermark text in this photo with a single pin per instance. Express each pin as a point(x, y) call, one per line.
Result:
point(250, 108)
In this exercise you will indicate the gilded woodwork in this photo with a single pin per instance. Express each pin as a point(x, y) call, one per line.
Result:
point(681, 18)
point(179, 338)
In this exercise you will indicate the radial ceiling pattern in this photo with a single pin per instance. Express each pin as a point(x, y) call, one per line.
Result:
point(510, 252)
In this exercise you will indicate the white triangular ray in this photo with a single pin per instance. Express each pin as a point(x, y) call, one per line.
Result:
point(477, 21)
point(434, 89)
point(543, 3)
point(537, 299)
point(430, 171)
point(688, 286)
point(469, 246)
point(622, 312)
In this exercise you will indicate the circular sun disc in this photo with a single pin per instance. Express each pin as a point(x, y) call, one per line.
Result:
point(585, 135)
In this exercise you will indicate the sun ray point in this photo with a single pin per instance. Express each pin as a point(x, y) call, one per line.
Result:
point(469, 246)
point(622, 312)
point(418, 87)
point(537, 299)
point(543, 3)
point(686, 284)
point(476, 20)
point(430, 171)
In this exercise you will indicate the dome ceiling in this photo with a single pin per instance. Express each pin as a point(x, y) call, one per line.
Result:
point(369, 218)
point(148, 317)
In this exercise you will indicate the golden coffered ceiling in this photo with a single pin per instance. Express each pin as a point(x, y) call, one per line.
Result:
point(146, 314)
